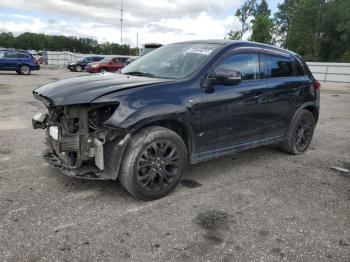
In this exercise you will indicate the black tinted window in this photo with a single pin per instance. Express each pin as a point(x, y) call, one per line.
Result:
point(246, 64)
point(279, 66)
point(299, 68)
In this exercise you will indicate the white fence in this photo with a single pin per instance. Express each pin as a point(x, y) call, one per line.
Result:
point(330, 72)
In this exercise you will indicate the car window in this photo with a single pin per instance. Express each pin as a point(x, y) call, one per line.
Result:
point(175, 61)
point(15, 55)
point(246, 64)
point(299, 68)
point(279, 66)
point(2, 54)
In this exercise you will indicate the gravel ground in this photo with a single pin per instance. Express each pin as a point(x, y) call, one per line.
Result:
point(258, 205)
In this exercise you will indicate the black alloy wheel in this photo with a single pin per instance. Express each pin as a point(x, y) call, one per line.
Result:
point(153, 163)
point(158, 165)
point(300, 133)
point(303, 133)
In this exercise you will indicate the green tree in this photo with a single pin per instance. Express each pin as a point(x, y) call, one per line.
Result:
point(283, 19)
point(262, 29)
point(305, 31)
point(244, 13)
point(28, 41)
point(7, 40)
point(335, 44)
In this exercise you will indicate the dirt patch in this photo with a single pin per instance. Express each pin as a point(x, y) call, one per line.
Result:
point(215, 223)
point(5, 151)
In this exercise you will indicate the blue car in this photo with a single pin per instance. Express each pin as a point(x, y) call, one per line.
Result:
point(20, 61)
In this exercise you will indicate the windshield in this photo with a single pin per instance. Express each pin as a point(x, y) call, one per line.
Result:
point(172, 61)
point(105, 60)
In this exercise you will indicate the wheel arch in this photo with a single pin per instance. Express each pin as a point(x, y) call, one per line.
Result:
point(172, 124)
point(314, 110)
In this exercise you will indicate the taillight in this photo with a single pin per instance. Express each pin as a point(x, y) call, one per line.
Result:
point(317, 85)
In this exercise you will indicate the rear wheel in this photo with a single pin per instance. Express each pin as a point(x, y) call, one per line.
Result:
point(153, 163)
point(300, 133)
point(24, 70)
point(103, 70)
point(78, 68)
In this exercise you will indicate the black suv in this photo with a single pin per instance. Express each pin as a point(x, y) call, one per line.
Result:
point(80, 65)
point(181, 104)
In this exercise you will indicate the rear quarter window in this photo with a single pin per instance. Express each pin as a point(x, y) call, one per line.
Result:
point(279, 66)
point(299, 69)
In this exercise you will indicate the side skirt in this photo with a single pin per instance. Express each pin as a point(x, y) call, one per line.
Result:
point(213, 154)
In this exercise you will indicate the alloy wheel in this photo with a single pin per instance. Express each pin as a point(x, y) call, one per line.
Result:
point(158, 166)
point(25, 70)
point(303, 133)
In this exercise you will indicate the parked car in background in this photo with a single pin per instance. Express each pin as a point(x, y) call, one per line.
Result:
point(20, 61)
point(109, 64)
point(80, 65)
point(181, 104)
point(145, 50)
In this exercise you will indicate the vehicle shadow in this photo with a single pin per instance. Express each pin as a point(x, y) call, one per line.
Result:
point(206, 171)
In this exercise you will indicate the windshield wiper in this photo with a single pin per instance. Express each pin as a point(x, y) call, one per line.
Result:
point(138, 73)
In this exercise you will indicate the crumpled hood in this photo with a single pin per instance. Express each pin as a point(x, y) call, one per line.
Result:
point(84, 89)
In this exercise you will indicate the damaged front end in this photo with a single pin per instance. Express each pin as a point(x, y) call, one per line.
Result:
point(79, 144)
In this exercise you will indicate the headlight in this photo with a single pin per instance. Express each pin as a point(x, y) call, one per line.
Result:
point(94, 65)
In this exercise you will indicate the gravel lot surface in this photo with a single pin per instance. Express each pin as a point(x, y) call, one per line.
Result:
point(258, 205)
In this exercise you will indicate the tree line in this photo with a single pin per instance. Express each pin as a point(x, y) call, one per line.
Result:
point(32, 41)
point(319, 30)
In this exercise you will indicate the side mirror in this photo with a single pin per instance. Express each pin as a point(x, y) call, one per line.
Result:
point(223, 76)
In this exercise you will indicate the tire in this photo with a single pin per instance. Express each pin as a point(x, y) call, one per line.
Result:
point(102, 70)
point(300, 133)
point(147, 177)
point(24, 70)
point(78, 68)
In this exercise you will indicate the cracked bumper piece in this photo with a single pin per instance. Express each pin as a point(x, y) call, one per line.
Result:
point(112, 157)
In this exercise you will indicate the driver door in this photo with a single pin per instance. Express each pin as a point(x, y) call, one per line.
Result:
point(234, 115)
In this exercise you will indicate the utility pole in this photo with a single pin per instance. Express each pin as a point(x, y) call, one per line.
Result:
point(121, 22)
point(137, 40)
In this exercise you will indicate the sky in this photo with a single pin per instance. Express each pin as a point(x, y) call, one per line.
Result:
point(160, 21)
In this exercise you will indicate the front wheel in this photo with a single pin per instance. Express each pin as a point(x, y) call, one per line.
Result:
point(153, 163)
point(300, 133)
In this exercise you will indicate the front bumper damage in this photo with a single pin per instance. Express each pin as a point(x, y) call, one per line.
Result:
point(110, 156)
point(78, 142)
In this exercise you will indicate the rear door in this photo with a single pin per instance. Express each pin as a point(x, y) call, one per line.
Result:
point(11, 60)
point(285, 91)
point(235, 115)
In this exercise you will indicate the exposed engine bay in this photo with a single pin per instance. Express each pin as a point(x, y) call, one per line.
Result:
point(79, 143)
